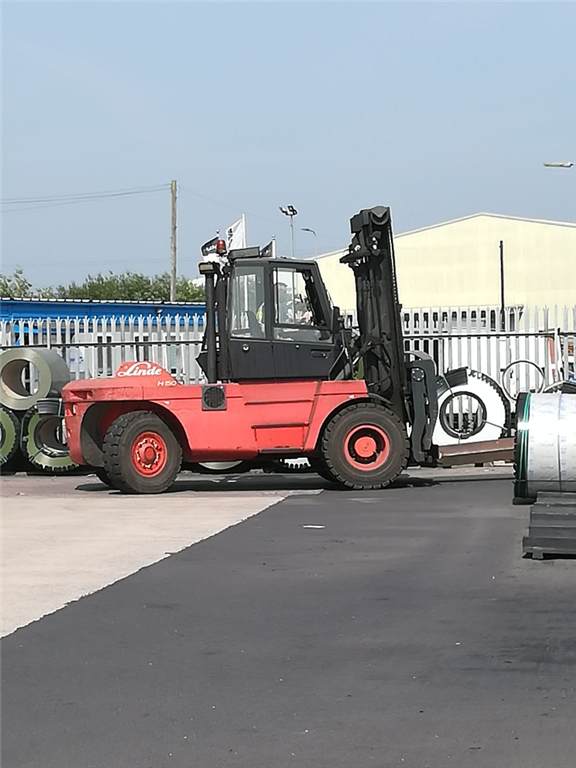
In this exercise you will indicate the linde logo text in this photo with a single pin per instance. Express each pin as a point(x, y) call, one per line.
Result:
point(141, 369)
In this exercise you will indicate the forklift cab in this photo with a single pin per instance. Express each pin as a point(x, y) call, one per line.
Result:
point(279, 320)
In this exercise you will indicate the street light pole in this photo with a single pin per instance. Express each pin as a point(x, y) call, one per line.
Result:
point(290, 211)
point(307, 229)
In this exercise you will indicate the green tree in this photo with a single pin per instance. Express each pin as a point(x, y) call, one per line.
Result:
point(16, 285)
point(126, 286)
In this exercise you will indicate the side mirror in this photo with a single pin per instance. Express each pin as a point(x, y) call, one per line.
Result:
point(336, 325)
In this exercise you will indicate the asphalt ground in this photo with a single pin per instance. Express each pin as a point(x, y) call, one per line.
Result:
point(66, 537)
point(403, 629)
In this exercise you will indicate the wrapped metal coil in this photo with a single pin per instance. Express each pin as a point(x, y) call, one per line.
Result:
point(472, 408)
point(15, 364)
point(568, 387)
point(545, 444)
point(220, 467)
point(43, 442)
point(50, 406)
point(9, 434)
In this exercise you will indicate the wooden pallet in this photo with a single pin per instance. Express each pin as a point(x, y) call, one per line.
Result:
point(552, 527)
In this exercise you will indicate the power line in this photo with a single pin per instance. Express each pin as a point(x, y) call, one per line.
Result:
point(56, 201)
point(53, 201)
point(85, 195)
point(64, 261)
point(227, 205)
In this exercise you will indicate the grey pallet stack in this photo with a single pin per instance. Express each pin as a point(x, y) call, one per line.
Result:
point(552, 528)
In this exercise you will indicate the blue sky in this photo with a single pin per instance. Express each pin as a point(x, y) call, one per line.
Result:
point(438, 110)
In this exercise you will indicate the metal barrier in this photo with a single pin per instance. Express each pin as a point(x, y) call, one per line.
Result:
point(526, 349)
point(96, 347)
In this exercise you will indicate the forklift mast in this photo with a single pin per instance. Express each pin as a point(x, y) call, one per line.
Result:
point(405, 381)
point(380, 343)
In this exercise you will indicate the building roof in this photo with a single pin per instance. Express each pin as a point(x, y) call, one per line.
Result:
point(11, 309)
point(568, 224)
point(491, 216)
point(147, 302)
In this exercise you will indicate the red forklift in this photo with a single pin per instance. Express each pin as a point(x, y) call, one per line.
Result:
point(284, 379)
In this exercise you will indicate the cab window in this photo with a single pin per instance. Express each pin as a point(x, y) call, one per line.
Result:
point(297, 311)
point(247, 302)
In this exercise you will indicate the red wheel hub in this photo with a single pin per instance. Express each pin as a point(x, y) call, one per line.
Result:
point(366, 447)
point(149, 453)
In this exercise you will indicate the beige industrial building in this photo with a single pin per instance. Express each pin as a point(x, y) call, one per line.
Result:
point(457, 263)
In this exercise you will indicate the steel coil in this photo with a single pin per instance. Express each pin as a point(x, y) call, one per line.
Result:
point(50, 406)
point(52, 374)
point(545, 444)
point(568, 387)
point(471, 408)
point(220, 467)
point(9, 434)
point(43, 442)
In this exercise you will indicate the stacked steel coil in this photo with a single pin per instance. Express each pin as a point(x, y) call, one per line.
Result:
point(545, 444)
point(31, 423)
point(472, 408)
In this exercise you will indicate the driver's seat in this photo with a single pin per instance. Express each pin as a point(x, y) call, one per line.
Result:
point(255, 328)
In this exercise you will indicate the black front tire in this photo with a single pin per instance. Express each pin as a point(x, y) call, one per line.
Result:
point(321, 468)
point(365, 446)
point(141, 453)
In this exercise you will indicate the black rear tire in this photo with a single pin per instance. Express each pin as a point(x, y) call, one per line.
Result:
point(102, 475)
point(365, 446)
point(141, 453)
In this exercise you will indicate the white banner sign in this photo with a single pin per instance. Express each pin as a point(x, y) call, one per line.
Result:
point(236, 234)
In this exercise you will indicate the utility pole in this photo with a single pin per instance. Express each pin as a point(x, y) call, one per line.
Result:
point(173, 188)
